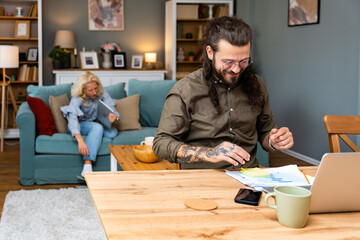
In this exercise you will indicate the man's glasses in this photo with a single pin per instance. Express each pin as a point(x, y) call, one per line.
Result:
point(242, 64)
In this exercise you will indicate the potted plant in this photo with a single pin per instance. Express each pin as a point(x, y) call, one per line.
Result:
point(191, 56)
point(60, 57)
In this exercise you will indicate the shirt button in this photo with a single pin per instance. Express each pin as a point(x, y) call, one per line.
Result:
point(228, 89)
point(231, 110)
point(230, 129)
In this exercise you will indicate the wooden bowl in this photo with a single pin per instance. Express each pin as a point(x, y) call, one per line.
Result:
point(144, 153)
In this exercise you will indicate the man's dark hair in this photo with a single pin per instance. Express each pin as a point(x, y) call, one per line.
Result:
point(237, 33)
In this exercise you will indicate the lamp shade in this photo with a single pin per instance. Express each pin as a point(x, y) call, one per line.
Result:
point(9, 56)
point(150, 57)
point(65, 39)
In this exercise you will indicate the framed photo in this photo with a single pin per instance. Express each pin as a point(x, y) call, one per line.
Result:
point(22, 29)
point(303, 12)
point(120, 60)
point(136, 61)
point(105, 15)
point(32, 54)
point(89, 60)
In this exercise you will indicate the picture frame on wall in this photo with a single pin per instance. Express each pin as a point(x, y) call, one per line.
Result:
point(119, 60)
point(106, 15)
point(22, 29)
point(303, 12)
point(136, 61)
point(32, 54)
point(89, 60)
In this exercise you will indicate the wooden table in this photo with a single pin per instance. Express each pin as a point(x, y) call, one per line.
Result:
point(124, 155)
point(150, 205)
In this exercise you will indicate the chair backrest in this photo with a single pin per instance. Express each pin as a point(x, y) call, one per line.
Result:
point(338, 126)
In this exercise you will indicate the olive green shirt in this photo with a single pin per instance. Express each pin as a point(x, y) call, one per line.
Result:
point(189, 117)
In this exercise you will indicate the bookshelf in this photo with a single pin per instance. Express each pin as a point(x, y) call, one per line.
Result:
point(26, 32)
point(184, 21)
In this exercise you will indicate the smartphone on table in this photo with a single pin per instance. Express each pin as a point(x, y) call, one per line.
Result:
point(248, 196)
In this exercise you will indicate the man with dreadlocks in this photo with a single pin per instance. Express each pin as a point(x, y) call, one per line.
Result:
point(214, 116)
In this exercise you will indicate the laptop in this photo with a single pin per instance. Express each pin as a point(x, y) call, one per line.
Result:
point(336, 187)
point(102, 114)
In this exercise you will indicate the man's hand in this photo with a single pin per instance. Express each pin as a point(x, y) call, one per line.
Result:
point(281, 139)
point(225, 151)
point(228, 152)
point(112, 117)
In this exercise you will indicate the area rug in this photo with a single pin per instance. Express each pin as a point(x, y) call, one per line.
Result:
point(67, 213)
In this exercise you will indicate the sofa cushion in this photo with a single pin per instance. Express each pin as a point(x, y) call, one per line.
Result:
point(152, 99)
point(116, 91)
point(133, 137)
point(44, 92)
point(61, 143)
point(45, 124)
point(55, 104)
point(128, 108)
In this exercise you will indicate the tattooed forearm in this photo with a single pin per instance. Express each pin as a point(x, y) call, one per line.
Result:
point(191, 154)
point(217, 151)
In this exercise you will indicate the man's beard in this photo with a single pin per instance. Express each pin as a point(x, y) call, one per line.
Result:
point(221, 75)
point(231, 80)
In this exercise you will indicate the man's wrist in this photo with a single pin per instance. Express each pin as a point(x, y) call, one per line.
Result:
point(271, 146)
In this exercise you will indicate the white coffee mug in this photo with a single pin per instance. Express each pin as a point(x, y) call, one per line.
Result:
point(147, 141)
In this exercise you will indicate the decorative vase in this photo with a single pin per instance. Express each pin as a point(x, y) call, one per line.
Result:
point(57, 64)
point(180, 55)
point(107, 61)
point(67, 64)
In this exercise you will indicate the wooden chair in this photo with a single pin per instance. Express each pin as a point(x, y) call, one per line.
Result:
point(339, 126)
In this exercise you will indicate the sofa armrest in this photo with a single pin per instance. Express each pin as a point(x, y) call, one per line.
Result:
point(25, 120)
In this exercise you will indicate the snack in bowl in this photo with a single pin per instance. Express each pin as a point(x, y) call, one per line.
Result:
point(144, 153)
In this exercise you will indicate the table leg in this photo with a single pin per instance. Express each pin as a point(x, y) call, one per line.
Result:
point(113, 163)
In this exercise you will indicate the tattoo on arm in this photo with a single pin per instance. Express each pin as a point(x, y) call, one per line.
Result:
point(191, 154)
point(217, 151)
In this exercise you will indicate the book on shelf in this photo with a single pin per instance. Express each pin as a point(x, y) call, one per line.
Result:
point(28, 73)
point(35, 74)
point(221, 11)
point(33, 10)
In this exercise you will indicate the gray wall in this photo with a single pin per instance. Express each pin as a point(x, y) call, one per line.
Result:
point(144, 29)
point(310, 70)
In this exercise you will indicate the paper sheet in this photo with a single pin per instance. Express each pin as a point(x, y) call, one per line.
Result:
point(288, 175)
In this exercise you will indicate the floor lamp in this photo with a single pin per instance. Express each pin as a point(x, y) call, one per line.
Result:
point(9, 58)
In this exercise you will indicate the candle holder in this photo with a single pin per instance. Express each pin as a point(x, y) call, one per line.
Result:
point(19, 11)
point(211, 11)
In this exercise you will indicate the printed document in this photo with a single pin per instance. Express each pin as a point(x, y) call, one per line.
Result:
point(289, 175)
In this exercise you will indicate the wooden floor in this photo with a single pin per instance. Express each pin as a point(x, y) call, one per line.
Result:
point(10, 159)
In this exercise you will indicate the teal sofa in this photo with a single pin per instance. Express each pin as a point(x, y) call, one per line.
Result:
point(55, 159)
